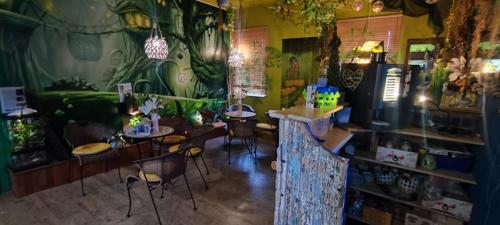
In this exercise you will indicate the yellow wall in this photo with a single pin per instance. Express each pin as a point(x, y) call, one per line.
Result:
point(279, 29)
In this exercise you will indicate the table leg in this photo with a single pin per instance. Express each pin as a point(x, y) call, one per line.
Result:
point(140, 149)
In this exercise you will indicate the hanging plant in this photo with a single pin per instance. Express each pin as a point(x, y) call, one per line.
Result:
point(321, 15)
point(312, 13)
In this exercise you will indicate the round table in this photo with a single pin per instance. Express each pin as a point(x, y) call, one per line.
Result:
point(163, 131)
point(240, 114)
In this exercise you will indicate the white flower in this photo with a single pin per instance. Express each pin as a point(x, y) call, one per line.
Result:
point(155, 116)
point(150, 106)
point(457, 68)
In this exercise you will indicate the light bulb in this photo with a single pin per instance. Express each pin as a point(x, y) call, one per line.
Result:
point(357, 5)
point(430, 2)
point(377, 6)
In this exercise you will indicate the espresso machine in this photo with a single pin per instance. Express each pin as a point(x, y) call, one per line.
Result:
point(381, 95)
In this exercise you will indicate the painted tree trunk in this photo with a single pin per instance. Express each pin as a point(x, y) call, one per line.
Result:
point(310, 181)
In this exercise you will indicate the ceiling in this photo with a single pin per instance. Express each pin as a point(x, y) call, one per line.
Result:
point(244, 3)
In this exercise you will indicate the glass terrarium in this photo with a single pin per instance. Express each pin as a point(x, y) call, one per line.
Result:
point(27, 136)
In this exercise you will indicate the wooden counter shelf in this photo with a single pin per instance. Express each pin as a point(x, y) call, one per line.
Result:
point(448, 174)
point(421, 133)
point(303, 114)
point(374, 189)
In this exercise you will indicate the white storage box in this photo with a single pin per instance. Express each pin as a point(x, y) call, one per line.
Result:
point(397, 156)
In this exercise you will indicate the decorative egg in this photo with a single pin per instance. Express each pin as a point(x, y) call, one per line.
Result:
point(408, 184)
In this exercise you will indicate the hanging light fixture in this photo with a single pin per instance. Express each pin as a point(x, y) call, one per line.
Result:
point(377, 6)
point(235, 58)
point(156, 46)
point(357, 5)
point(431, 2)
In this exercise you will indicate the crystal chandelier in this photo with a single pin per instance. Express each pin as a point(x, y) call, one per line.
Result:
point(235, 58)
point(156, 46)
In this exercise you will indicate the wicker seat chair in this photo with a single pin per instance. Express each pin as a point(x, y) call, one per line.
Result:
point(180, 125)
point(244, 107)
point(271, 125)
point(244, 130)
point(196, 148)
point(159, 171)
point(88, 144)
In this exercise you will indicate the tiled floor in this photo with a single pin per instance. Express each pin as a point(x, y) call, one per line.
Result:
point(242, 193)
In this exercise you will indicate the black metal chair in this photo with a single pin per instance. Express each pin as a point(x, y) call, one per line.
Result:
point(244, 107)
point(88, 145)
point(159, 171)
point(196, 148)
point(271, 125)
point(244, 130)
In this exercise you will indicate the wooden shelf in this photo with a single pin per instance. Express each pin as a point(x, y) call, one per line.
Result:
point(448, 174)
point(375, 190)
point(423, 133)
point(335, 139)
point(301, 113)
point(466, 110)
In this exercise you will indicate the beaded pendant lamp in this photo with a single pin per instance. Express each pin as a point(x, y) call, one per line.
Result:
point(235, 58)
point(156, 46)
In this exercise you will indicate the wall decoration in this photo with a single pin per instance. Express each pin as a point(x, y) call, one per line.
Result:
point(300, 66)
point(70, 55)
point(252, 75)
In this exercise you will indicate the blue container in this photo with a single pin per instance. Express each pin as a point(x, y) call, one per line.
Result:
point(460, 164)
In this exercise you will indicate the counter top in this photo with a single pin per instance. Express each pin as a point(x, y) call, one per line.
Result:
point(303, 114)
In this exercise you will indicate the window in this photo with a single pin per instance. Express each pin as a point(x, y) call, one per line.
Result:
point(252, 76)
point(354, 32)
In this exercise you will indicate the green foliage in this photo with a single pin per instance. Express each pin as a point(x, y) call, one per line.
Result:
point(26, 133)
point(313, 13)
point(135, 120)
point(439, 76)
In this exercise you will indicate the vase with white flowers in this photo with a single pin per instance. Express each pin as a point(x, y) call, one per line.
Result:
point(150, 108)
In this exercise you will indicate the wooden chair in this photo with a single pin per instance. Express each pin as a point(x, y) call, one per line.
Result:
point(244, 130)
point(88, 145)
point(159, 171)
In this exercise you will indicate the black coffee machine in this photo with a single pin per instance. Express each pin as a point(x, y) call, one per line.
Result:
point(381, 95)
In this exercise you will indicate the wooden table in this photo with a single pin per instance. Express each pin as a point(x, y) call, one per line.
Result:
point(136, 139)
point(240, 114)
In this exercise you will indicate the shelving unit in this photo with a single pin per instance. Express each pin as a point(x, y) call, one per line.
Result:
point(417, 135)
point(448, 174)
point(423, 133)
point(373, 189)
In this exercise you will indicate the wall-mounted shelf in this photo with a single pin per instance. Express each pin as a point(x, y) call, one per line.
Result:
point(429, 134)
point(373, 189)
point(466, 110)
point(448, 174)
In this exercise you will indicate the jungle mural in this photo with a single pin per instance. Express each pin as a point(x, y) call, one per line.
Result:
point(46, 42)
point(71, 54)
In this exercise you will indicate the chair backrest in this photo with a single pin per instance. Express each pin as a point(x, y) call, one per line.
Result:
point(177, 122)
point(272, 121)
point(207, 115)
point(168, 166)
point(199, 137)
point(242, 128)
point(77, 135)
point(244, 107)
